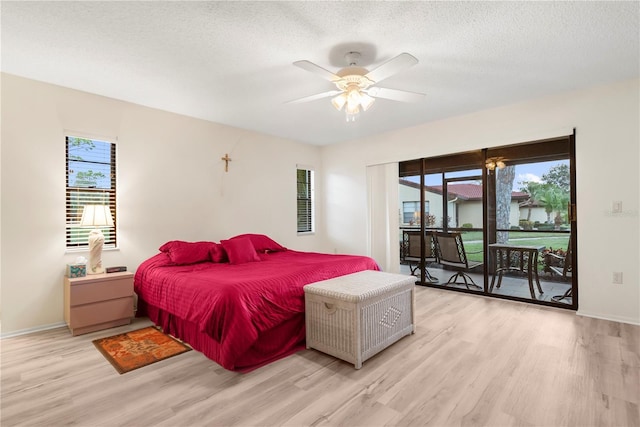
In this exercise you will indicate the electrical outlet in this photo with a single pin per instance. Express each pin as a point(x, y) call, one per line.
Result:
point(616, 207)
point(617, 277)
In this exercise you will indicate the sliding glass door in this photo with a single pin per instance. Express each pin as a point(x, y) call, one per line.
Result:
point(531, 204)
point(498, 221)
point(444, 243)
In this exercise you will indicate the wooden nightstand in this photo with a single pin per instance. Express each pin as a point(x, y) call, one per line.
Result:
point(98, 301)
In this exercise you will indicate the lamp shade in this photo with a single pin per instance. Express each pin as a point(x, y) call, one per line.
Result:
point(96, 216)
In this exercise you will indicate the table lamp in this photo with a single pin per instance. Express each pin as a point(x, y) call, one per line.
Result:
point(96, 216)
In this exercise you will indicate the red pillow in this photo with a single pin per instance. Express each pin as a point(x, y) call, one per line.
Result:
point(262, 243)
point(240, 251)
point(183, 253)
point(217, 253)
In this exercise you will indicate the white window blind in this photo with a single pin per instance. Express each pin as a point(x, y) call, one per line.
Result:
point(90, 179)
point(305, 200)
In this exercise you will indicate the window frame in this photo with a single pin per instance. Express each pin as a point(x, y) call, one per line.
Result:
point(308, 197)
point(108, 196)
point(415, 203)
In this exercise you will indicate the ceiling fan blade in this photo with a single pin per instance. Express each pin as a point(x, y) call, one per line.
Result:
point(316, 69)
point(391, 67)
point(395, 94)
point(314, 97)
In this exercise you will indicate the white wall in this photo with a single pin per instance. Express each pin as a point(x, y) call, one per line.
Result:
point(171, 185)
point(607, 122)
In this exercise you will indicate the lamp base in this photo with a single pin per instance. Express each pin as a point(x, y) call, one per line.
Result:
point(97, 270)
point(96, 242)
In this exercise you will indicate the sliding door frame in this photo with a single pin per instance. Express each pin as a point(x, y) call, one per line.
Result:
point(562, 147)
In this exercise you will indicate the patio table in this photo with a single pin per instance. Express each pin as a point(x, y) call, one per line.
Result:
point(501, 256)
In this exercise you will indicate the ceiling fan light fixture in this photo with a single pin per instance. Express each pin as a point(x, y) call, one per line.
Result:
point(353, 98)
point(352, 108)
point(366, 101)
point(339, 101)
point(354, 84)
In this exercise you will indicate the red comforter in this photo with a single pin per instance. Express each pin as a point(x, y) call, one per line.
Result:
point(253, 313)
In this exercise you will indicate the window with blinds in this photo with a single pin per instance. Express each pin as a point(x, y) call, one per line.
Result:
point(305, 200)
point(90, 180)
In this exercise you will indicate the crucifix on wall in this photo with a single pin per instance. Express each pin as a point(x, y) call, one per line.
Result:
point(226, 159)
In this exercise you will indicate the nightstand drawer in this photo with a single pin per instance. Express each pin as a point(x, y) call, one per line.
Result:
point(101, 312)
point(85, 293)
point(98, 301)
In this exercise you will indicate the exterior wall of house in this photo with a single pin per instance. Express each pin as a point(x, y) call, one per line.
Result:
point(411, 194)
point(406, 194)
point(537, 214)
point(468, 212)
point(607, 124)
point(435, 207)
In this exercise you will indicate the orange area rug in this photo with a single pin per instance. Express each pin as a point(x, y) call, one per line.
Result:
point(135, 349)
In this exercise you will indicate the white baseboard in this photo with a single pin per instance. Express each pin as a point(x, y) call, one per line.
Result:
point(32, 330)
point(630, 321)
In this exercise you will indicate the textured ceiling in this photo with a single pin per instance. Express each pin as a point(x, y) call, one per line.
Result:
point(231, 62)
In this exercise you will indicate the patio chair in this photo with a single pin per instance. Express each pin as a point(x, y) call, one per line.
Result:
point(411, 253)
point(451, 253)
point(560, 265)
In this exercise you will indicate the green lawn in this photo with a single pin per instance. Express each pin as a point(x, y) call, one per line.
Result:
point(473, 241)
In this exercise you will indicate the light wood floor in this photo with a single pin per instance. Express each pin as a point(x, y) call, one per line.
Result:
point(473, 361)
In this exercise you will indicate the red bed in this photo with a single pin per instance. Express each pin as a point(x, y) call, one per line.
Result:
point(241, 315)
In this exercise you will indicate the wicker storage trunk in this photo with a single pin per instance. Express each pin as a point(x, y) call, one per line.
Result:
point(353, 317)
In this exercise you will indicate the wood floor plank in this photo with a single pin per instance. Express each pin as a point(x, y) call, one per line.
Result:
point(473, 361)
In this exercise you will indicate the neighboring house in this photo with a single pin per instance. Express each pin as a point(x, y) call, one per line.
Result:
point(538, 212)
point(464, 204)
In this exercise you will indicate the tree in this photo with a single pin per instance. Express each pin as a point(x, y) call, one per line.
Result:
point(79, 144)
point(89, 178)
point(504, 186)
point(552, 192)
point(534, 190)
point(548, 200)
point(554, 199)
point(558, 176)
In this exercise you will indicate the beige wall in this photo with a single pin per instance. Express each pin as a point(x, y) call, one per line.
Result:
point(607, 122)
point(171, 185)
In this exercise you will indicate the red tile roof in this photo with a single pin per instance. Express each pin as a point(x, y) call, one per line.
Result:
point(463, 191)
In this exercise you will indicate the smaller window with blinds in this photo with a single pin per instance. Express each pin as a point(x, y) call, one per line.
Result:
point(90, 180)
point(305, 200)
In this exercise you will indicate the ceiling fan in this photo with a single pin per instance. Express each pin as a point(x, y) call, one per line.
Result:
point(355, 85)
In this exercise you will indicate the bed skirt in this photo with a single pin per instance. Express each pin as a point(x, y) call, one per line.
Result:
point(281, 341)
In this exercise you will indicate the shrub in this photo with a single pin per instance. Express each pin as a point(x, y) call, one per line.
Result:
point(526, 225)
point(467, 225)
